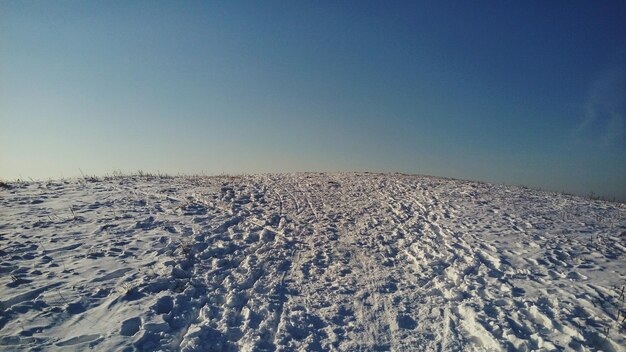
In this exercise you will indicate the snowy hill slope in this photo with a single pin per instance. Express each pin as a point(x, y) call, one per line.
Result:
point(350, 262)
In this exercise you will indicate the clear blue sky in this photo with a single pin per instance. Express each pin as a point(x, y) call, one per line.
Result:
point(520, 92)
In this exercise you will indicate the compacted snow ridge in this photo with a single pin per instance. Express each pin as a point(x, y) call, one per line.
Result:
point(306, 262)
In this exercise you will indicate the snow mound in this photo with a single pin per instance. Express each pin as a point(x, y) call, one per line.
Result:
point(351, 262)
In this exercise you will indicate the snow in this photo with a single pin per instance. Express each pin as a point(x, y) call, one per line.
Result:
point(351, 261)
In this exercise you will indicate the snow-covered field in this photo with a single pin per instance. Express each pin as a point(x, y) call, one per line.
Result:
point(348, 262)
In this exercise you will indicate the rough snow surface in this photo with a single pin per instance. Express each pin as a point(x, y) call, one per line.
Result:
point(347, 262)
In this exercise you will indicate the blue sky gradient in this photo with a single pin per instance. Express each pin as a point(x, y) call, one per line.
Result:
point(528, 92)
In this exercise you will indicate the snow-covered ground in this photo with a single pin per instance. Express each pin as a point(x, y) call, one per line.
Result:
point(348, 262)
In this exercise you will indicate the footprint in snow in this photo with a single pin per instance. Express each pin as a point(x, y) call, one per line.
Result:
point(130, 326)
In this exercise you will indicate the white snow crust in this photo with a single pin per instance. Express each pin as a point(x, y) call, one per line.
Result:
point(307, 262)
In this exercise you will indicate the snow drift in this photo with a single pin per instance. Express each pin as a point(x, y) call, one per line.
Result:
point(308, 262)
